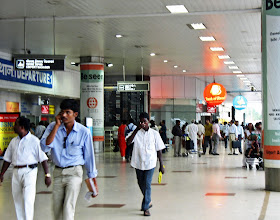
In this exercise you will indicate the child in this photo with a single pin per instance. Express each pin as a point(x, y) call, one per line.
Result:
point(254, 151)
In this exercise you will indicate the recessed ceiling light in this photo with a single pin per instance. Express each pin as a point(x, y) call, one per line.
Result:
point(177, 8)
point(216, 48)
point(73, 63)
point(119, 36)
point(240, 75)
point(165, 61)
point(210, 38)
point(175, 66)
point(152, 54)
point(184, 71)
point(229, 62)
point(243, 78)
point(246, 81)
point(237, 71)
point(198, 26)
point(233, 67)
point(223, 57)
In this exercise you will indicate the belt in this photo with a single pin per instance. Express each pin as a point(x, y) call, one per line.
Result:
point(65, 167)
point(32, 166)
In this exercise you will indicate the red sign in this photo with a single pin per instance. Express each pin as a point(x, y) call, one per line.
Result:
point(44, 109)
point(211, 109)
point(92, 102)
point(199, 108)
point(215, 94)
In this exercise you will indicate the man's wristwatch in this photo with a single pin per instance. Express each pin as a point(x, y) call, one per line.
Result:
point(47, 175)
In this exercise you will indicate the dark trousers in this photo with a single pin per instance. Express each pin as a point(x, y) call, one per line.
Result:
point(240, 139)
point(226, 141)
point(207, 140)
point(128, 151)
point(144, 178)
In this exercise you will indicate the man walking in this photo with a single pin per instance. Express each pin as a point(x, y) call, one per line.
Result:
point(24, 152)
point(225, 134)
point(207, 138)
point(71, 147)
point(193, 129)
point(177, 132)
point(200, 133)
point(216, 135)
point(241, 135)
point(147, 148)
point(233, 135)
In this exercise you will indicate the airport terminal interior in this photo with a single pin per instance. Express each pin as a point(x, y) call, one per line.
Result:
point(180, 60)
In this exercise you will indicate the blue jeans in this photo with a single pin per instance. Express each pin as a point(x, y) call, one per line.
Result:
point(144, 178)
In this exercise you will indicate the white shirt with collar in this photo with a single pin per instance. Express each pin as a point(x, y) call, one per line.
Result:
point(146, 145)
point(240, 131)
point(225, 129)
point(25, 151)
point(233, 130)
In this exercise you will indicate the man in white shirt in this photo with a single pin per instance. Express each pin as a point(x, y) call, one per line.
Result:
point(216, 135)
point(40, 129)
point(147, 148)
point(24, 152)
point(200, 133)
point(193, 129)
point(241, 135)
point(233, 135)
point(225, 133)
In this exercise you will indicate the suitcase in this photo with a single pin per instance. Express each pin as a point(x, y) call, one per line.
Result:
point(189, 145)
point(236, 144)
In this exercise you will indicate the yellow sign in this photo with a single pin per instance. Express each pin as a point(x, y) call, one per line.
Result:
point(12, 107)
point(51, 109)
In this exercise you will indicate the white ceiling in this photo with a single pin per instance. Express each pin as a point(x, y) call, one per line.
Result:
point(88, 28)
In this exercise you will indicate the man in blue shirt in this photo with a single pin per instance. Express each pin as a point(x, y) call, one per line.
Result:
point(71, 147)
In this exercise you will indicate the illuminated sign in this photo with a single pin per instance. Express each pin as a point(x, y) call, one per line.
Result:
point(39, 62)
point(136, 86)
point(12, 107)
point(240, 102)
point(44, 109)
point(215, 94)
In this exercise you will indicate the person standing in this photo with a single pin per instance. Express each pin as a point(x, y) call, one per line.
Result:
point(115, 129)
point(39, 131)
point(154, 126)
point(233, 136)
point(200, 133)
point(225, 134)
point(147, 148)
point(129, 148)
point(177, 132)
point(24, 152)
point(71, 147)
point(207, 138)
point(216, 135)
point(193, 129)
point(121, 139)
point(249, 132)
point(241, 135)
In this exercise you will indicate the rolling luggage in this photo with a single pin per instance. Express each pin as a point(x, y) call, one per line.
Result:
point(189, 145)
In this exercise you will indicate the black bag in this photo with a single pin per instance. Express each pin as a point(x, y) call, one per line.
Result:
point(189, 145)
point(236, 144)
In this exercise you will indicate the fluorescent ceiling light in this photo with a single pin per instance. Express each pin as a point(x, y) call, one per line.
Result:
point(165, 61)
point(216, 48)
point(210, 38)
point(246, 81)
point(223, 57)
point(243, 78)
point(73, 63)
point(184, 71)
point(152, 54)
point(110, 64)
point(119, 36)
point(177, 8)
point(229, 62)
point(233, 67)
point(240, 75)
point(198, 26)
point(175, 66)
point(238, 71)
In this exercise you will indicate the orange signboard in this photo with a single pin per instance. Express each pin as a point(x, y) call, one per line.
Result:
point(12, 107)
point(215, 94)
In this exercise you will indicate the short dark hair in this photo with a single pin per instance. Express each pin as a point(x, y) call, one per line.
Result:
point(24, 122)
point(131, 120)
point(216, 121)
point(69, 104)
point(178, 121)
point(144, 115)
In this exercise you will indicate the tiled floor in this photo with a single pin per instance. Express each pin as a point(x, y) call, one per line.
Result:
point(183, 195)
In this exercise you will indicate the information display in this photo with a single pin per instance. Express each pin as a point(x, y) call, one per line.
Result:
point(133, 86)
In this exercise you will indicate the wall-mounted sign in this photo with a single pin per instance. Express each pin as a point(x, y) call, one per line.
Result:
point(240, 102)
point(39, 62)
point(44, 109)
point(36, 78)
point(133, 86)
point(215, 94)
point(211, 109)
point(12, 107)
point(7, 133)
point(199, 108)
point(51, 109)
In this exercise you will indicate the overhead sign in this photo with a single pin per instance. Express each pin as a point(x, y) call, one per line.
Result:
point(36, 78)
point(44, 109)
point(133, 86)
point(39, 62)
point(211, 109)
point(51, 109)
point(215, 94)
point(240, 102)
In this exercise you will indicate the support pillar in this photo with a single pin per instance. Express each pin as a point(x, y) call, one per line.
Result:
point(92, 98)
point(271, 91)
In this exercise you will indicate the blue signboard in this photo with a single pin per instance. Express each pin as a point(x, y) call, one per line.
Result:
point(36, 78)
point(240, 102)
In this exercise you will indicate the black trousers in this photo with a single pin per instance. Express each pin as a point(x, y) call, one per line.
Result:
point(128, 151)
point(240, 139)
point(207, 140)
